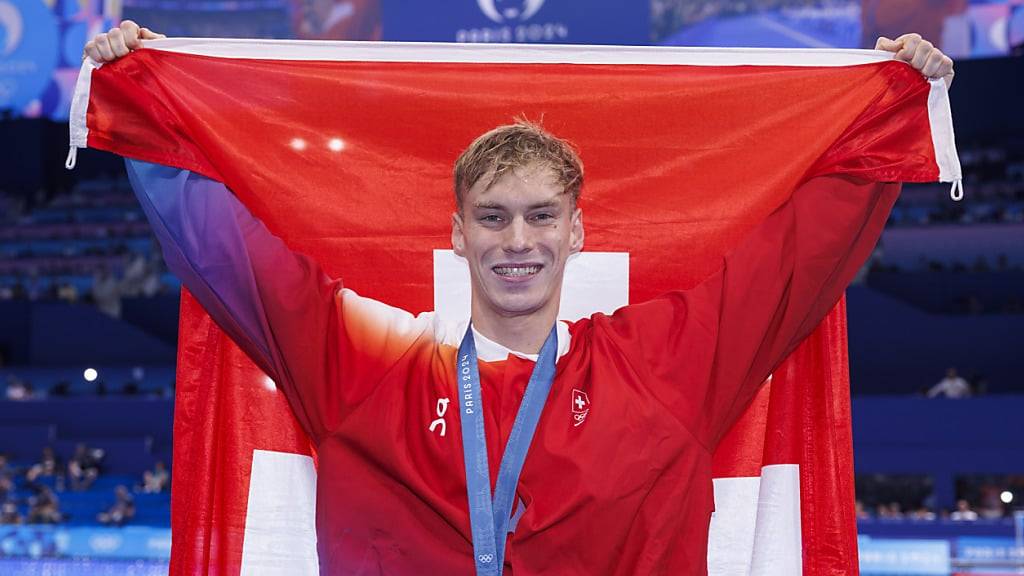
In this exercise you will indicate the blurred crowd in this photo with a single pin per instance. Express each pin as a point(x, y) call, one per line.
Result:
point(140, 276)
point(993, 191)
point(30, 494)
point(963, 512)
point(910, 498)
point(20, 388)
point(91, 244)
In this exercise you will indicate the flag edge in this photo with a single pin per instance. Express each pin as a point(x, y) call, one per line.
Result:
point(440, 52)
point(77, 126)
point(940, 119)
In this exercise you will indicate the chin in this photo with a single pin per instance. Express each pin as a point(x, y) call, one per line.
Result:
point(517, 307)
point(518, 304)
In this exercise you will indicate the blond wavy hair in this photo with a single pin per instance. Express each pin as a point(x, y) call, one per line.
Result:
point(518, 145)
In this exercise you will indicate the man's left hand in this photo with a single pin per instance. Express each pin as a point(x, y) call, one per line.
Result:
point(921, 54)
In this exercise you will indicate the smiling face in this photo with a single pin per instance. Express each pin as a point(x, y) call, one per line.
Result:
point(516, 233)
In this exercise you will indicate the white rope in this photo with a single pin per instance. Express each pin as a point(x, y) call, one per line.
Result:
point(956, 191)
point(72, 158)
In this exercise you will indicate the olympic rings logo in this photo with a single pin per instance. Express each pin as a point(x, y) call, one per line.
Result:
point(485, 558)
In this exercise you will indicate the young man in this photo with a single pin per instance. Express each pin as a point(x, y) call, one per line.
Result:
point(624, 490)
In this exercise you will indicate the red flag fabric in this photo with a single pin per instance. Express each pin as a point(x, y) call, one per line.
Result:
point(345, 151)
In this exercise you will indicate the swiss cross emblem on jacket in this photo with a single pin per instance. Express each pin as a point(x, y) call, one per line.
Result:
point(580, 406)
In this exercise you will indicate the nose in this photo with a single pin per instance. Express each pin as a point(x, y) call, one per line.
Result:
point(517, 238)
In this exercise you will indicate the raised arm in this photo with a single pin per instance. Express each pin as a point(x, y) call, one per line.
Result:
point(324, 346)
point(277, 305)
point(211, 241)
point(727, 334)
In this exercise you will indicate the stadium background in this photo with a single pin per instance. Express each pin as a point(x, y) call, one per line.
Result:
point(88, 314)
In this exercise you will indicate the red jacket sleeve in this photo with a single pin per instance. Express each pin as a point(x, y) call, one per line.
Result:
point(705, 351)
point(324, 346)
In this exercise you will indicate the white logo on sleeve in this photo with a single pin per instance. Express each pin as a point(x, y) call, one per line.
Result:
point(442, 408)
point(580, 406)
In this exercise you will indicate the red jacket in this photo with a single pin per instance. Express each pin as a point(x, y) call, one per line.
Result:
point(618, 478)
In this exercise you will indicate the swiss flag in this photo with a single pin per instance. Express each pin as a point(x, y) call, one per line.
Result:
point(686, 151)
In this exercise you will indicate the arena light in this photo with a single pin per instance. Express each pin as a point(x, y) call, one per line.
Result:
point(335, 144)
point(298, 144)
point(1006, 496)
point(90, 374)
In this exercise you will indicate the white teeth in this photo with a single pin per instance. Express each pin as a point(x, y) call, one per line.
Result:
point(516, 270)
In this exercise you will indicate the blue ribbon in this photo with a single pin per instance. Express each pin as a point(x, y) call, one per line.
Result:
point(489, 518)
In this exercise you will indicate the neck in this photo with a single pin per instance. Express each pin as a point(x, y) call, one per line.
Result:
point(525, 333)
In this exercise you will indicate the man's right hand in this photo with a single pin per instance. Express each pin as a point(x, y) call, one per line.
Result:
point(118, 42)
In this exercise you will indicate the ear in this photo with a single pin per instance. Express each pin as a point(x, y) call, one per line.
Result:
point(576, 231)
point(458, 238)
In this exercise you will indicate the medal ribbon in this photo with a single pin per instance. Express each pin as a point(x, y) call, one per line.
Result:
point(489, 517)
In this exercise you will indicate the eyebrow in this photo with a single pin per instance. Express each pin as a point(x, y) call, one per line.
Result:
point(484, 204)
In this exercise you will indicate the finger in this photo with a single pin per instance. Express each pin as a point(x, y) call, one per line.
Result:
point(887, 44)
point(92, 51)
point(130, 31)
point(912, 37)
point(909, 42)
point(103, 45)
point(117, 44)
point(148, 34)
point(933, 65)
point(945, 67)
point(921, 55)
